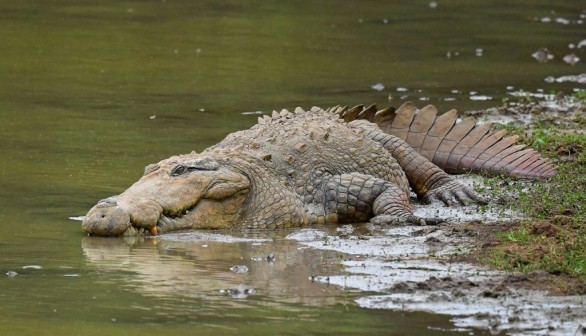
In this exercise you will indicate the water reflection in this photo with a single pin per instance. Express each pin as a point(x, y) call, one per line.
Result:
point(202, 266)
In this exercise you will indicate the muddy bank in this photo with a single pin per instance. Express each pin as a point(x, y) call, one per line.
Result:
point(424, 269)
point(438, 269)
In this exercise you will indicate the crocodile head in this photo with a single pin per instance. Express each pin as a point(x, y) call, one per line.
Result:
point(182, 192)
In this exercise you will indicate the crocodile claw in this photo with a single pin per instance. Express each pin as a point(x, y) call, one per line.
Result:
point(451, 192)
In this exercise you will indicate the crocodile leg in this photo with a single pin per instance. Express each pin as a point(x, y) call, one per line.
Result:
point(427, 180)
point(357, 198)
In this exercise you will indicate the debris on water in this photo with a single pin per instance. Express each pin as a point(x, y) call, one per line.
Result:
point(455, 91)
point(581, 44)
point(385, 21)
point(153, 117)
point(378, 87)
point(424, 98)
point(77, 218)
point(11, 274)
point(581, 78)
point(201, 109)
point(562, 20)
point(542, 55)
point(449, 99)
point(479, 51)
point(239, 269)
point(545, 19)
point(37, 267)
point(571, 59)
point(432, 5)
point(402, 89)
point(451, 54)
point(204, 245)
point(71, 275)
point(479, 98)
point(240, 292)
point(510, 87)
point(251, 112)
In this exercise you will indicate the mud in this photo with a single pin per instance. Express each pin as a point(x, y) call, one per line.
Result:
point(421, 269)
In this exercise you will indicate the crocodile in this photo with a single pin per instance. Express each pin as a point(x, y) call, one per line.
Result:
point(335, 165)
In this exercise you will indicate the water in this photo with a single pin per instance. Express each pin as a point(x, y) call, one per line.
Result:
point(91, 93)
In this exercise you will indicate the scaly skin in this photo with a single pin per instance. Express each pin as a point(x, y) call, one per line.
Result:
point(291, 170)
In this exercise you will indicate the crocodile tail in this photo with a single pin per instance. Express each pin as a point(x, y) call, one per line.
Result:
point(456, 147)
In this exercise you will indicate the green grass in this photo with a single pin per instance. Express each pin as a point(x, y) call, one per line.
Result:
point(554, 239)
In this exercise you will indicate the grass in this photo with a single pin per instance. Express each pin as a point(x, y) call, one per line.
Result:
point(554, 239)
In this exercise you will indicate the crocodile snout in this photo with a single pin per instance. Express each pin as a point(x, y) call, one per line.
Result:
point(106, 219)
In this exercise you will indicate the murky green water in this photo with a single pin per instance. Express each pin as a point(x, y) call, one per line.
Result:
point(91, 92)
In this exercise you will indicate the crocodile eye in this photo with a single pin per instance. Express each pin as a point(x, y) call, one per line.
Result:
point(179, 170)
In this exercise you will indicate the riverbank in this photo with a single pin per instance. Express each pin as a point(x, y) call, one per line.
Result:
point(551, 242)
point(517, 265)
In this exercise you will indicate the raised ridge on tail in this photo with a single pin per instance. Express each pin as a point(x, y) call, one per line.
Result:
point(455, 146)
